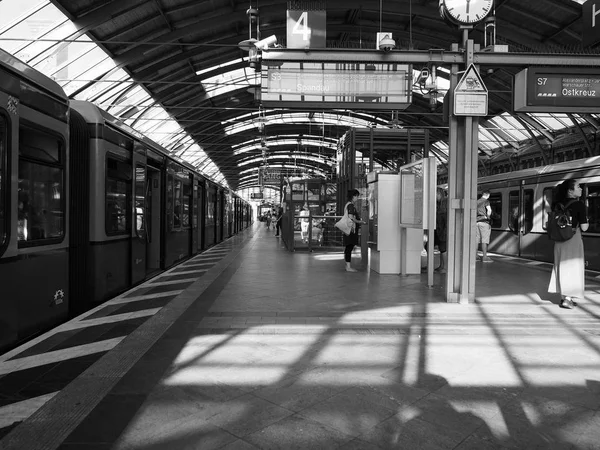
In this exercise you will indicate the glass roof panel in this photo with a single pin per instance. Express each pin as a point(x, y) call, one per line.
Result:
point(233, 80)
point(44, 38)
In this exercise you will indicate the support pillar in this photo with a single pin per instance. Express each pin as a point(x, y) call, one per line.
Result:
point(462, 194)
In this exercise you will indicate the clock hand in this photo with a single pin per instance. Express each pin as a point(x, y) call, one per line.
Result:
point(468, 3)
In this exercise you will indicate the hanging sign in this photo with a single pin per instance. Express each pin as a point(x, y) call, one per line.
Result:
point(306, 24)
point(471, 95)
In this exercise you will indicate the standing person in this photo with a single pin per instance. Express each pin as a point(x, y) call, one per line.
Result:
point(279, 218)
point(304, 223)
point(441, 228)
point(568, 272)
point(352, 239)
point(268, 220)
point(484, 226)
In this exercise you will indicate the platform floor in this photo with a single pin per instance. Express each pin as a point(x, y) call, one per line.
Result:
point(248, 346)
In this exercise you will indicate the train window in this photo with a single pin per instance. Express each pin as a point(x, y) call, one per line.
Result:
point(547, 205)
point(41, 202)
point(513, 208)
point(118, 197)
point(141, 188)
point(185, 205)
point(521, 216)
point(593, 207)
point(177, 210)
point(527, 212)
point(169, 204)
point(3, 155)
point(496, 205)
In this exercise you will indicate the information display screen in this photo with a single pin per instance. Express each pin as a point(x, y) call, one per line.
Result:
point(334, 85)
point(557, 89)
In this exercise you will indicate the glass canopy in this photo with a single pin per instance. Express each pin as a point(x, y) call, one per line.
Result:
point(38, 33)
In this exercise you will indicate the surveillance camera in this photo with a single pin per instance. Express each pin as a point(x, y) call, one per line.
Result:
point(385, 42)
point(263, 44)
point(386, 47)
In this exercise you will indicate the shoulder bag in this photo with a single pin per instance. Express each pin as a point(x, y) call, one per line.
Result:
point(345, 224)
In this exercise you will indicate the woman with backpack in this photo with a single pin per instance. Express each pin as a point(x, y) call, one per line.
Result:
point(568, 273)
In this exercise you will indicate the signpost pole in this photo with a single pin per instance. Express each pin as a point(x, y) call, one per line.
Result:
point(462, 180)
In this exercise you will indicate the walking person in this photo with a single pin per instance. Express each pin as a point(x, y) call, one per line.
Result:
point(484, 225)
point(352, 239)
point(568, 272)
point(304, 219)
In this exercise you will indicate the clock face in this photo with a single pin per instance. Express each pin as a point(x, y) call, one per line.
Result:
point(467, 11)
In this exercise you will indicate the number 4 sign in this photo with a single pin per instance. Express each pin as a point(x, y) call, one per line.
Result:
point(306, 29)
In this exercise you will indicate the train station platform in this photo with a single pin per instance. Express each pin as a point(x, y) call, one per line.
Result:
point(249, 346)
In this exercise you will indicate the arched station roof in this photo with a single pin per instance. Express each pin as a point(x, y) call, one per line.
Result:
point(174, 70)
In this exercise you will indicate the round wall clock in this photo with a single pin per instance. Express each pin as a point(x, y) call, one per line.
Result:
point(465, 12)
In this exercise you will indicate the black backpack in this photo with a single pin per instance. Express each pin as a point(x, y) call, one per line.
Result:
point(560, 226)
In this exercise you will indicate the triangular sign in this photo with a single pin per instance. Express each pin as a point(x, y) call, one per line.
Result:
point(471, 81)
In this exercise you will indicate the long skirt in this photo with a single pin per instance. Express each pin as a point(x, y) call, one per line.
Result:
point(568, 273)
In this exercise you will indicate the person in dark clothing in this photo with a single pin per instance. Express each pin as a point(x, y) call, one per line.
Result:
point(352, 239)
point(278, 222)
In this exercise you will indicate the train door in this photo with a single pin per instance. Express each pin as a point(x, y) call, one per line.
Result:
point(152, 213)
point(199, 205)
point(194, 222)
point(219, 216)
point(520, 209)
point(139, 235)
point(209, 216)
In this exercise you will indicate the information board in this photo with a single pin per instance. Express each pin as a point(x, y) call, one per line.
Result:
point(334, 85)
point(557, 89)
point(411, 194)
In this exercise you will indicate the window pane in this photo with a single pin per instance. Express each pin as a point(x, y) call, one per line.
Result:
point(39, 146)
point(40, 206)
point(140, 201)
point(187, 199)
point(548, 199)
point(593, 207)
point(527, 213)
point(496, 205)
point(118, 197)
point(177, 202)
point(513, 208)
point(41, 203)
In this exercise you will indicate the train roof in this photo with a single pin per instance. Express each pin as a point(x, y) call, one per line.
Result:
point(568, 166)
point(19, 68)
point(93, 114)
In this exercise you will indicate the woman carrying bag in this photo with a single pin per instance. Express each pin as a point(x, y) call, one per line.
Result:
point(351, 239)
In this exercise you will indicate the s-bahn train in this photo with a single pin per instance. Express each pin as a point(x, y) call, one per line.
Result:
point(521, 201)
point(88, 206)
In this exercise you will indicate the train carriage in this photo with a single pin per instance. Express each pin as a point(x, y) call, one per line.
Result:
point(33, 201)
point(89, 207)
point(521, 201)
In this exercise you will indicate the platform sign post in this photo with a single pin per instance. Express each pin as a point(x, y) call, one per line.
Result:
point(471, 95)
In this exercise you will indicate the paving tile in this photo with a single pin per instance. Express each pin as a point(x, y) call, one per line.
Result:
point(297, 433)
point(350, 414)
point(413, 433)
point(247, 414)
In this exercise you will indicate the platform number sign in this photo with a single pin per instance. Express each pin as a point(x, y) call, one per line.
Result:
point(306, 29)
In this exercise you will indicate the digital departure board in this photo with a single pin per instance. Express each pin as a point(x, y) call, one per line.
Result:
point(334, 85)
point(557, 89)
